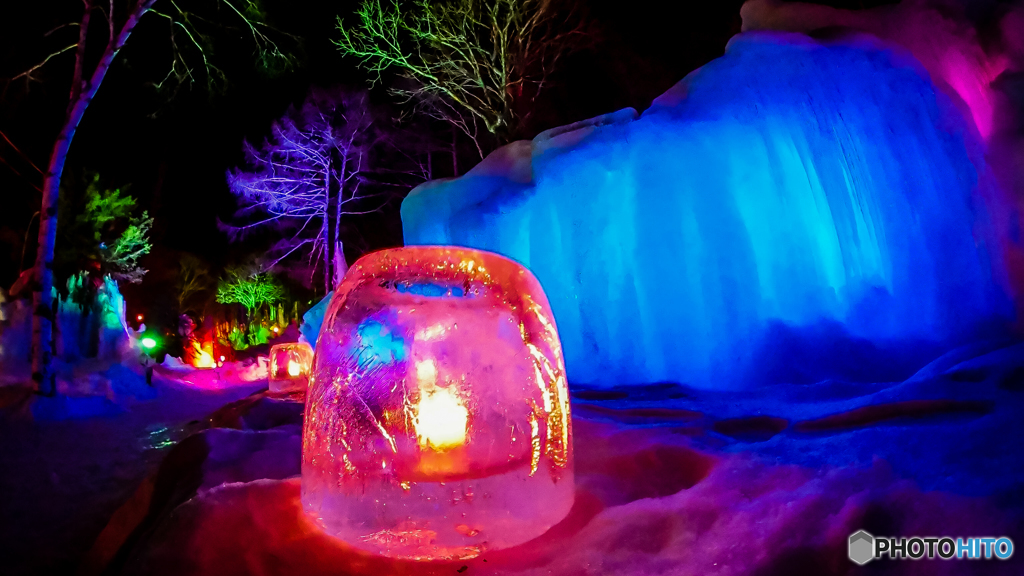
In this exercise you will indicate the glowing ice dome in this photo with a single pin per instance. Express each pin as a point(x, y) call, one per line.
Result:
point(289, 366)
point(437, 417)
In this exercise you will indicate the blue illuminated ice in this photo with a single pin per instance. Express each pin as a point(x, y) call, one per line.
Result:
point(313, 319)
point(793, 210)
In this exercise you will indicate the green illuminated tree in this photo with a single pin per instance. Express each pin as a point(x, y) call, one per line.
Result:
point(100, 236)
point(103, 208)
point(121, 257)
point(471, 62)
point(249, 287)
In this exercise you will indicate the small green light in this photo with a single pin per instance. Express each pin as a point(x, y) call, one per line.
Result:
point(148, 343)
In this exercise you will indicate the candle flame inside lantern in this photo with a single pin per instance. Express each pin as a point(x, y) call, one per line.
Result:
point(293, 368)
point(201, 358)
point(440, 416)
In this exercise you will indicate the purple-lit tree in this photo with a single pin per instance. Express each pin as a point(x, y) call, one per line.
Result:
point(309, 174)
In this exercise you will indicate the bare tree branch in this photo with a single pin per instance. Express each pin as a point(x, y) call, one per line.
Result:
point(19, 174)
point(27, 74)
point(302, 179)
point(468, 60)
point(20, 153)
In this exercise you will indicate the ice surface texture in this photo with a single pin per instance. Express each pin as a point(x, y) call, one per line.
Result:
point(289, 366)
point(437, 418)
point(790, 185)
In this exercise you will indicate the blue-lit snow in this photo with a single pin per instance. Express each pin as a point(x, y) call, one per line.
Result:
point(956, 450)
point(792, 211)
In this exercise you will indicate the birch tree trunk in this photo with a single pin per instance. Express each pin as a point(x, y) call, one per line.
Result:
point(42, 293)
point(340, 265)
point(325, 229)
point(339, 258)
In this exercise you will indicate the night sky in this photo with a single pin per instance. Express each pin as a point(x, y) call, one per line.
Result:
point(172, 150)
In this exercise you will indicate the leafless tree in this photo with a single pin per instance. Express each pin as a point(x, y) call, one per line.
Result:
point(309, 174)
point(471, 62)
point(193, 278)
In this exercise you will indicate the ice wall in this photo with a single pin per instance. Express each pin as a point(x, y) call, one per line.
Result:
point(94, 330)
point(312, 320)
point(939, 37)
point(792, 200)
point(974, 54)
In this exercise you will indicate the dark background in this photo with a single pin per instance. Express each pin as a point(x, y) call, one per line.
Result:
point(173, 151)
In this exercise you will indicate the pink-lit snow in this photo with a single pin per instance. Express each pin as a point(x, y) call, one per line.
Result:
point(198, 474)
point(670, 480)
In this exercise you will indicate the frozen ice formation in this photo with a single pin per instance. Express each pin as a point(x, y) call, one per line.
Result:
point(792, 200)
point(94, 330)
point(312, 320)
point(437, 417)
point(289, 366)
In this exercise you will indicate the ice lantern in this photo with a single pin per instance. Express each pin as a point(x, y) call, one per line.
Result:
point(289, 366)
point(437, 418)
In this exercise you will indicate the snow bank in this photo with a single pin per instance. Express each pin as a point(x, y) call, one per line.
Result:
point(15, 340)
point(229, 375)
point(670, 480)
point(646, 504)
point(818, 191)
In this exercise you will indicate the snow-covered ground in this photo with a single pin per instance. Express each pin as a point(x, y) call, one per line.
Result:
point(670, 480)
point(68, 462)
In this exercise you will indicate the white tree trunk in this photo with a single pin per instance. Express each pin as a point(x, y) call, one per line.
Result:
point(339, 271)
point(325, 230)
point(42, 292)
point(340, 265)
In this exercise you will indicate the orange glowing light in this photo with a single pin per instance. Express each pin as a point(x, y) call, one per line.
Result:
point(440, 416)
point(201, 358)
point(289, 366)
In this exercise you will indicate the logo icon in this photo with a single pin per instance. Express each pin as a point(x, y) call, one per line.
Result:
point(861, 547)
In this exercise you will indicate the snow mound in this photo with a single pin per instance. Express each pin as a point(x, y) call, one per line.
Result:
point(653, 507)
point(670, 480)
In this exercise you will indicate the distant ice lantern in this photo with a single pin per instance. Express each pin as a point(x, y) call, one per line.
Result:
point(289, 366)
point(437, 418)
